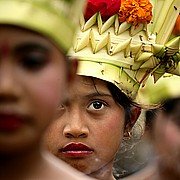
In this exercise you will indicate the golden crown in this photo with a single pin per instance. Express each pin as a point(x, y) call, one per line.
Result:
point(57, 19)
point(124, 42)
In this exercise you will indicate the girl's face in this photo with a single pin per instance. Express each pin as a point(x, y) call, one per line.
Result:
point(89, 127)
point(32, 80)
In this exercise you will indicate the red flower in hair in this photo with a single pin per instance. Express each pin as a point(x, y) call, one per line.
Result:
point(107, 8)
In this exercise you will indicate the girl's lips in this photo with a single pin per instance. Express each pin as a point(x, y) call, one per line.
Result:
point(76, 150)
point(10, 122)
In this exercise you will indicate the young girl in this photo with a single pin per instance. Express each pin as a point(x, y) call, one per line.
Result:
point(91, 126)
point(101, 109)
point(33, 78)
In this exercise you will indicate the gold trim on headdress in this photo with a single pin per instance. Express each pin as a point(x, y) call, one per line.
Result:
point(127, 53)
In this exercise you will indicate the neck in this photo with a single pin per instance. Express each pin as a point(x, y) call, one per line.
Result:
point(105, 173)
point(19, 165)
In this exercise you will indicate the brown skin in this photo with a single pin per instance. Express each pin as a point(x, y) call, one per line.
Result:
point(33, 78)
point(92, 117)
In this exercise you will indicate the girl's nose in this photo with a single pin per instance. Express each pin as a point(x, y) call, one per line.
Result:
point(76, 127)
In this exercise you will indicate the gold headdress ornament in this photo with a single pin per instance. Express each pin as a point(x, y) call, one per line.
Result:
point(57, 19)
point(124, 42)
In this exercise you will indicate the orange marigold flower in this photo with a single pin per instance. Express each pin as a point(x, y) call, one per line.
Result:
point(135, 11)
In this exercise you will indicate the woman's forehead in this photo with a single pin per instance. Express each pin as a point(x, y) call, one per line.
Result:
point(16, 34)
point(12, 37)
point(20, 31)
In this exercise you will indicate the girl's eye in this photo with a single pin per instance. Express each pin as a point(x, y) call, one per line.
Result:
point(33, 61)
point(96, 105)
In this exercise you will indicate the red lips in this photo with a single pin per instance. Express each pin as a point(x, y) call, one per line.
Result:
point(9, 122)
point(76, 150)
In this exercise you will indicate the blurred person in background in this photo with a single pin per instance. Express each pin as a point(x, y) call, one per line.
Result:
point(166, 135)
point(34, 39)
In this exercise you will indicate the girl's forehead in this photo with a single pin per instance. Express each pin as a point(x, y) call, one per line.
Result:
point(92, 81)
point(89, 85)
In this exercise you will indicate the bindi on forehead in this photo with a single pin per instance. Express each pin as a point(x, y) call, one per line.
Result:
point(4, 49)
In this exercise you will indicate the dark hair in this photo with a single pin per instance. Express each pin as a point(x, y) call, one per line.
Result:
point(172, 108)
point(150, 116)
point(169, 105)
point(123, 100)
point(120, 98)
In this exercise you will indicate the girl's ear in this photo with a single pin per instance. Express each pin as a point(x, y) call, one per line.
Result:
point(72, 70)
point(135, 112)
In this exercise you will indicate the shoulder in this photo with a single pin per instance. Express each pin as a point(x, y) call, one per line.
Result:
point(58, 169)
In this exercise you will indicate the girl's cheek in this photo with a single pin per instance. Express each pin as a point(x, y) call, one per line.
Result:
point(116, 122)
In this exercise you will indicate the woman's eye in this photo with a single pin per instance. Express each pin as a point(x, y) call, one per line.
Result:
point(60, 107)
point(60, 110)
point(96, 105)
point(33, 61)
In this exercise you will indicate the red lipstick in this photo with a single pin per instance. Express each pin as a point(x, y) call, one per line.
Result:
point(10, 122)
point(76, 150)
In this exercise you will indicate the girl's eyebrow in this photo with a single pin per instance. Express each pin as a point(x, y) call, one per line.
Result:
point(99, 93)
point(29, 46)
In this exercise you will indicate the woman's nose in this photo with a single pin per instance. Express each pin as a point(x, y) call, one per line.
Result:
point(8, 83)
point(76, 126)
